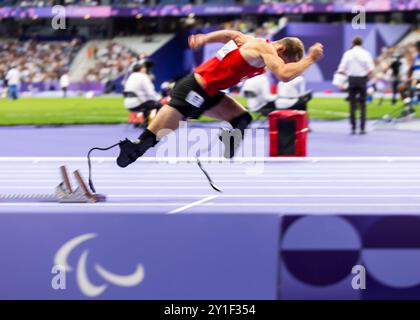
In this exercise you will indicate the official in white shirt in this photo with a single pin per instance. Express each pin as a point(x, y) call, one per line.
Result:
point(357, 64)
point(139, 93)
point(257, 92)
point(13, 82)
point(64, 83)
point(290, 95)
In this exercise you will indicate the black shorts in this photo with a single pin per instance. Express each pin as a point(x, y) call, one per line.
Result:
point(190, 99)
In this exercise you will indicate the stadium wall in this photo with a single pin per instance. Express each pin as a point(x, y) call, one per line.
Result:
point(172, 60)
point(221, 256)
point(336, 39)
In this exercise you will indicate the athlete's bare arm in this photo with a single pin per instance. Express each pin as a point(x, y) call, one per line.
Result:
point(223, 36)
point(288, 71)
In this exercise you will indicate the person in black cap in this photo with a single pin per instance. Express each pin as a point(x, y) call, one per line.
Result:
point(140, 94)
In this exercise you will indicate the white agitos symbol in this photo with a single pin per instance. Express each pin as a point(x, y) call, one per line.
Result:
point(85, 285)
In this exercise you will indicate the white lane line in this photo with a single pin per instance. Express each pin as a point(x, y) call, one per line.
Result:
point(238, 166)
point(27, 168)
point(335, 113)
point(100, 204)
point(292, 204)
point(231, 204)
point(231, 196)
point(216, 159)
point(176, 187)
point(148, 174)
point(193, 204)
point(227, 175)
point(199, 180)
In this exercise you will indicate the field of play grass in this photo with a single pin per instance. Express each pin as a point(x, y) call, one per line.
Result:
point(58, 111)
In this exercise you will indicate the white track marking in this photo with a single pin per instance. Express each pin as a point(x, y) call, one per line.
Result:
point(176, 187)
point(230, 204)
point(244, 175)
point(293, 204)
point(100, 204)
point(216, 160)
point(334, 113)
point(226, 171)
point(55, 181)
point(193, 204)
point(134, 196)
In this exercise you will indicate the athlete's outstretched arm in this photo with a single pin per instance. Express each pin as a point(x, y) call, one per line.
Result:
point(288, 71)
point(197, 40)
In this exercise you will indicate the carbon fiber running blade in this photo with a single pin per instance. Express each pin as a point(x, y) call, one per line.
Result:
point(207, 176)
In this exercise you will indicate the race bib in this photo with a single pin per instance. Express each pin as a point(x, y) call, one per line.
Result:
point(194, 99)
point(226, 49)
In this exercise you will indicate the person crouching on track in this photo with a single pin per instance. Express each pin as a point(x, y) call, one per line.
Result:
point(242, 56)
point(290, 95)
point(140, 95)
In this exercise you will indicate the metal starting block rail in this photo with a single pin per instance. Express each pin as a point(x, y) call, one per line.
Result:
point(64, 192)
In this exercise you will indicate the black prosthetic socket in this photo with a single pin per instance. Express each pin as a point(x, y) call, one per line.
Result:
point(148, 137)
point(242, 122)
point(130, 151)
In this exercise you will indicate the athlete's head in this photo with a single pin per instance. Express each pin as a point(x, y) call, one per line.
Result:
point(290, 49)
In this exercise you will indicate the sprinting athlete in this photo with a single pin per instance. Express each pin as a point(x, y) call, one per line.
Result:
point(199, 93)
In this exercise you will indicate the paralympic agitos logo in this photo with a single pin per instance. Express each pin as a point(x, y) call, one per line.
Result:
point(86, 286)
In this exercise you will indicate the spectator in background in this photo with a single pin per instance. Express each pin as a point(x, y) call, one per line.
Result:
point(13, 82)
point(64, 83)
point(111, 61)
point(415, 69)
point(357, 64)
point(398, 70)
point(40, 62)
point(3, 85)
point(415, 77)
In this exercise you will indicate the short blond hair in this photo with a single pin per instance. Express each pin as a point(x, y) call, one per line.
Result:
point(294, 48)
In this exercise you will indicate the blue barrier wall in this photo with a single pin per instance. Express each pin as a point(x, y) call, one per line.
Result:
point(130, 256)
point(149, 256)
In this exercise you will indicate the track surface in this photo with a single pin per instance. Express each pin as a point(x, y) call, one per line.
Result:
point(300, 186)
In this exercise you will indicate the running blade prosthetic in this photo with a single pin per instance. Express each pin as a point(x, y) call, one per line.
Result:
point(231, 138)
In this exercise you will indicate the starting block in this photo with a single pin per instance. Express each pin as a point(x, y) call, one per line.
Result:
point(64, 192)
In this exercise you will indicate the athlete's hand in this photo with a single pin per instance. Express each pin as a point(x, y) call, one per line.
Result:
point(196, 41)
point(316, 51)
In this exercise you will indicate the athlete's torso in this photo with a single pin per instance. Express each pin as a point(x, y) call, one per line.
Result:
point(226, 69)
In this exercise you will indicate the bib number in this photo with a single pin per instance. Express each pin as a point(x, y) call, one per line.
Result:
point(226, 49)
point(194, 99)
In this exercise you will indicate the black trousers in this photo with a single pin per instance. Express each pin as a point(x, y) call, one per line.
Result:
point(395, 85)
point(146, 108)
point(357, 97)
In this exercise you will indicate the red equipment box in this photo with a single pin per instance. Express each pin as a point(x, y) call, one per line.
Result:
point(288, 131)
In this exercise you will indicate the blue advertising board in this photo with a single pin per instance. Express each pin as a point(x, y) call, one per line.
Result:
point(132, 256)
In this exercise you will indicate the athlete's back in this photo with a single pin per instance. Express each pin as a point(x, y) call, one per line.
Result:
point(227, 68)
